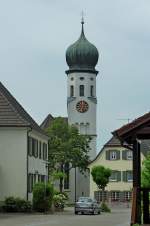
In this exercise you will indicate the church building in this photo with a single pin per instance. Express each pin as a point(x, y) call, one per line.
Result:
point(82, 57)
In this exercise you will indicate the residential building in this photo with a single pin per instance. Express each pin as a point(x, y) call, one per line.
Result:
point(23, 149)
point(119, 160)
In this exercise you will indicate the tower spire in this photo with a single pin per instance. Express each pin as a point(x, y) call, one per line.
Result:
point(82, 22)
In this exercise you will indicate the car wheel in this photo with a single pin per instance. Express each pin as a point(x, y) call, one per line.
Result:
point(99, 212)
point(76, 212)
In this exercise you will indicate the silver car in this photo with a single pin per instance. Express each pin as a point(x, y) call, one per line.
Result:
point(87, 205)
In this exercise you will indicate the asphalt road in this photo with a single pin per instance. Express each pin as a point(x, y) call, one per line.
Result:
point(118, 217)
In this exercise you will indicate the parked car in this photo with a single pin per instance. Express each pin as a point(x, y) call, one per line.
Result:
point(87, 205)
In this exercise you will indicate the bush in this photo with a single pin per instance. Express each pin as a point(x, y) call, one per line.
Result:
point(136, 225)
point(59, 199)
point(23, 205)
point(105, 208)
point(42, 197)
point(12, 204)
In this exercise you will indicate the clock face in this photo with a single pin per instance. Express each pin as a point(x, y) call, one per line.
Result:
point(82, 106)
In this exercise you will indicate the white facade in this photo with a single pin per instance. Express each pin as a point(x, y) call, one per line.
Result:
point(13, 162)
point(16, 164)
point(85, 121)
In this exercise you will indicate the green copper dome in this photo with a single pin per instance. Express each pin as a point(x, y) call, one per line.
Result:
point(82, 55)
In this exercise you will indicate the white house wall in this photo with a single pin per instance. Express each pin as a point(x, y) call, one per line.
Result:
point(13, 162)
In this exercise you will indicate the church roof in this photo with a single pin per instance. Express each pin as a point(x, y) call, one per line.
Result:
point(48, 120)
point(12, 114)
point(82, 55)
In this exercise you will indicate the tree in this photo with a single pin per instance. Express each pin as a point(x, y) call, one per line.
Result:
point(101, 176)
point(146, 173)
point(65, 146)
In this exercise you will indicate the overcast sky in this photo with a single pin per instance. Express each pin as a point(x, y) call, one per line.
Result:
point(34, 35)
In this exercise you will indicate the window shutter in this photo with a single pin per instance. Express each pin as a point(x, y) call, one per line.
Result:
point(118, 175)
point(118, 154)
point(124, 154)
point(108, 155)
point(125, 176)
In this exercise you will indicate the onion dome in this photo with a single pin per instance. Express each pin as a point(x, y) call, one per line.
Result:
point(82, 55)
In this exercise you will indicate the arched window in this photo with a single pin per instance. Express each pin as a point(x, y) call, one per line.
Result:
point(81, 91)
point(71, 91)
point(92, 91)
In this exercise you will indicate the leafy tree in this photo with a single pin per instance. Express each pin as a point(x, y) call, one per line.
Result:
point(65, 146)
point(146, 173)
point(101, 176)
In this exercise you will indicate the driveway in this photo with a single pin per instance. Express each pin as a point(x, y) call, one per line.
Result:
point(118, 217)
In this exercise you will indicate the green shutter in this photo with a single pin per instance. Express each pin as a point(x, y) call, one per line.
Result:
point(118, 175)
point(125, 176)
point(108, 155)
point(124, 154)
point(118, 154)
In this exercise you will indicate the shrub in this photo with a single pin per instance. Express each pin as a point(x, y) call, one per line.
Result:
point(42, 197)
point(12, 204)
point(105, 208)
point(23, 205)
point(59, 199)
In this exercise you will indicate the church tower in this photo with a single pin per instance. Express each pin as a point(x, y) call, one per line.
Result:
point(82, 57)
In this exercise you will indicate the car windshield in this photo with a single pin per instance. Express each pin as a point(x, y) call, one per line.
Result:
point(85, 199)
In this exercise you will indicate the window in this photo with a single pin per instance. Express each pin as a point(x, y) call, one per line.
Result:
point(127, 195)
point(92, 91)
point(91, 79)
point(42, 178)
point(44, 151)
point(66, 180)
point(33, 147)
point(115, 196)
point(129, 155)
point(81, 78)
point(30, 146)
point(129, 176)
point(113, 155)
point(71, 91)
point(72, 78)
point(40, 150)
point(98, 195)
point(113, 176)
point(81, 91)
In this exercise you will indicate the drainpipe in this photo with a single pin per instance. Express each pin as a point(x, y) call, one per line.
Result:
point(28, 131)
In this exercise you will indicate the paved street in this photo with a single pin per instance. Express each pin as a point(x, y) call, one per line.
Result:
point(118, 217)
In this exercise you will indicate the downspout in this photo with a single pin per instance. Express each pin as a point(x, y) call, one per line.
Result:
point(27, 162)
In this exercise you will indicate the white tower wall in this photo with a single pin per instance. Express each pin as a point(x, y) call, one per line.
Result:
point(86, 122)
